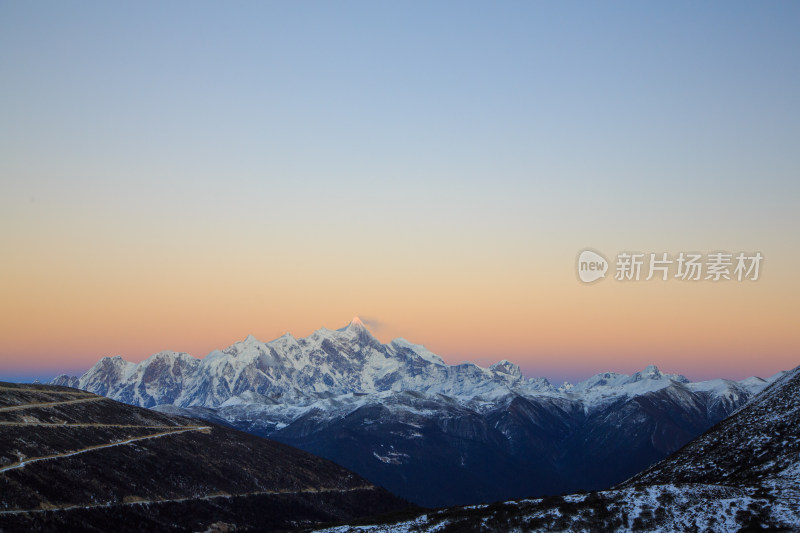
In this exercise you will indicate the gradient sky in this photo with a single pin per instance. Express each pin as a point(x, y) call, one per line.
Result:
point(178, 175)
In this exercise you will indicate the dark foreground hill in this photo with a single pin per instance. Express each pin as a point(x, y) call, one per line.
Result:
point(70, 460)
point(741, 475)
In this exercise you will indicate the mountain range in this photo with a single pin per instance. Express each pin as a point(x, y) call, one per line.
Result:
point(741, 475)
point(433, 433)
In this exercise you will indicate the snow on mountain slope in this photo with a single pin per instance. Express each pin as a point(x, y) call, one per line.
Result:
point(759, 444)
point(326, 362)
point(341, 362)
point(263, 387)
point(741, 475)
point(651, 376)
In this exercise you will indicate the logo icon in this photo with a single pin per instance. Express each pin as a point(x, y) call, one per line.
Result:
point(591, 266)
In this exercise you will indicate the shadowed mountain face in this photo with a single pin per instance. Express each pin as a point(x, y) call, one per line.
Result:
point(758, 446)
point(741, 475)
point(71, 460)
point(442, 453)
point(433, 433)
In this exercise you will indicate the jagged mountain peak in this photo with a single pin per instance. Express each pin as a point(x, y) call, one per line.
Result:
point(757, 445)
point(115, 362)
point(357, 331)
point(651, 370)
point(108, 360)
point(336, 362)
point(168, 355)
point(506, 367)
point(355, 325)
point(566, 387)
point(649, 379)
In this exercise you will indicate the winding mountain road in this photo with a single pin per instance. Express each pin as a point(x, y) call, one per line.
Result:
point(193, 498)
point(51, 404)
point(169, 430)
point(182, 429)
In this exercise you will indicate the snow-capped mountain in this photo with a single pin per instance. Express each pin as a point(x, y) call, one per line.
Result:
point(741, 475)
point(434, 433)
point(331, 363)
point(326, 363)
point(758, 446)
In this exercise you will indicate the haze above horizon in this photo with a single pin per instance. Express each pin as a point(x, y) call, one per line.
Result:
point(180, 175)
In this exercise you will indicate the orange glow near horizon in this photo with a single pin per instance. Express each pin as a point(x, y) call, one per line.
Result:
point(178, 179)
point(547, 322)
